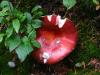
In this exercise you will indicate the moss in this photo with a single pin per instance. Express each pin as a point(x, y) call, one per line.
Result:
point(83, 72)
point(4, 68)
point(21, 68)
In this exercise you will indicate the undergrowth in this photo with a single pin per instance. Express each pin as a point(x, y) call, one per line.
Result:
point(87, 46)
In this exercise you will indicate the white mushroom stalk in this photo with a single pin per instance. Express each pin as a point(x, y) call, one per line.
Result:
point(45, 57)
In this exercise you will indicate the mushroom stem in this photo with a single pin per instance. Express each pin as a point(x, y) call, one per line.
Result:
point(45, 57)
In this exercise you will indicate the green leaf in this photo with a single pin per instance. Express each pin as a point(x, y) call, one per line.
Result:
point(6, 4)
point(13, 42)
point(16, 25)
point(69, 3)
point(36, 43)
point(8, 18)
point(4, 12)
point(32, 35)
point(5, 9)
point(96, 2)
point(37, 14)
point(25, 40)
point(1, 37)
point(36, 23)
point(19, 15)
point(35, 8)
point(23, 18)
point(24, 49)
point(9, 31)
point(29, 28)
point(28, 16)
point(1, 19)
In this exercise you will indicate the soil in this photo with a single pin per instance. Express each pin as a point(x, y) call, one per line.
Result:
point(56, 69)
point(56, 6)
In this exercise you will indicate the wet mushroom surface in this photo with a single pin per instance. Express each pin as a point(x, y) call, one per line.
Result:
point(57, 37)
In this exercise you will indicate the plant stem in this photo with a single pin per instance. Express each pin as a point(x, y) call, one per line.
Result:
point(65, 14)
point(10, 9)
point(18, 4)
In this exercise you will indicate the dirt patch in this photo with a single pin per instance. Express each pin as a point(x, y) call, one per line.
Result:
point(56, 69)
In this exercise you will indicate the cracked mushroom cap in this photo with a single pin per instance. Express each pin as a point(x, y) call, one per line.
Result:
point(57, 37)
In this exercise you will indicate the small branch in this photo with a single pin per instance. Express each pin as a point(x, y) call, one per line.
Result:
point(65, 13)
point(18, 4)
point(10, 9)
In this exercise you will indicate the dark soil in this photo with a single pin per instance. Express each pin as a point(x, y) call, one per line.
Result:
point(56, 69)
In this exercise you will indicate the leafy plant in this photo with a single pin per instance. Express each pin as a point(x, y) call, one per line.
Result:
point(18, 29)
point(97, 3)
point(69, 3)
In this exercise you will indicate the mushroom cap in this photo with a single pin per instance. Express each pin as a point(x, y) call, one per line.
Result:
point(57, 37)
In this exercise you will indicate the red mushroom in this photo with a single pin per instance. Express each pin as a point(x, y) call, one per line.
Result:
point(57, 37)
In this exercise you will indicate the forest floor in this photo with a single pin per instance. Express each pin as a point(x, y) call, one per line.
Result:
point(84, 60)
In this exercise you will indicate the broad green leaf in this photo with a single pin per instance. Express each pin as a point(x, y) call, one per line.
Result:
point(8, 18)
point(96, 2)
point(36, 23)
point(1, 37)
point(4, 12)
point(69, 3)
point(40, 13)
point(5, 9)
point(25, 40)
point(29, 28)
point(35, 43)
point(37, 14)
point(22, 31)
point(4, 4)
point(35, 8)
point(23, 18)
point(32, 35)
point(9, 31)
point(13, 42)
point(24, 49)
point(1, 19)
point(16, 25)
point(19, 15)
point(28, 16)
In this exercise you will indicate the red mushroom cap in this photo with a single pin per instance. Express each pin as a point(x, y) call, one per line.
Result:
point(57, 37)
